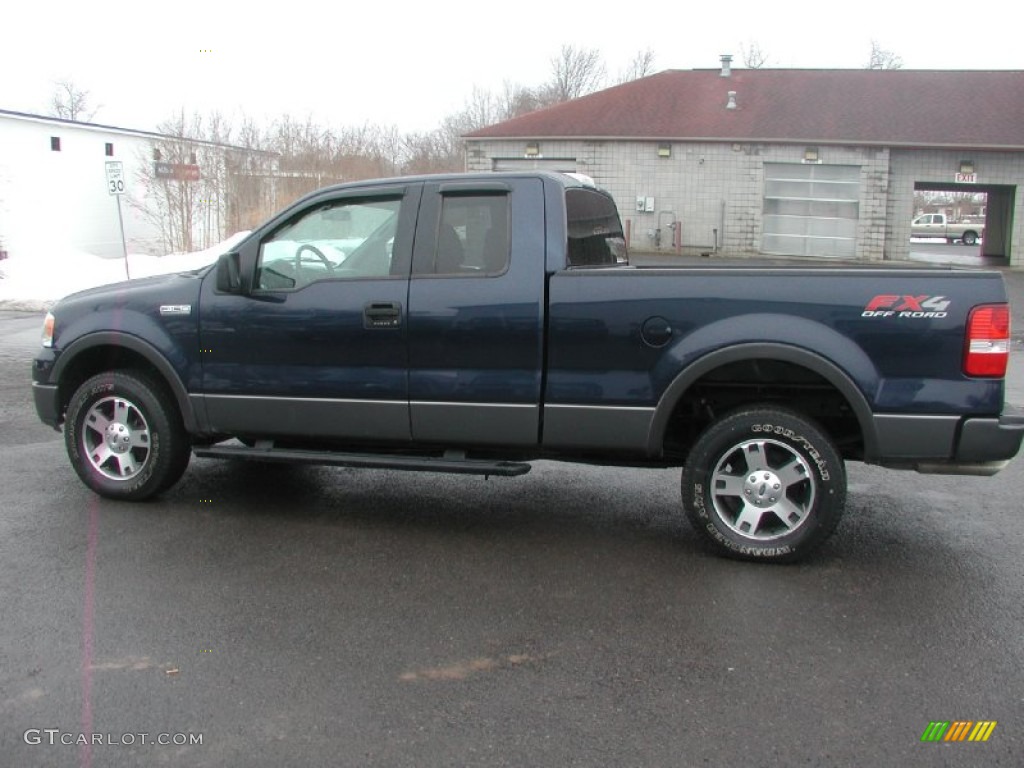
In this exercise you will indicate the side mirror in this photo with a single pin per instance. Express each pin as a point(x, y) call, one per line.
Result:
point(229, 273)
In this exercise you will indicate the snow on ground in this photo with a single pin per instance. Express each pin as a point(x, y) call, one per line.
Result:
point(36, 278)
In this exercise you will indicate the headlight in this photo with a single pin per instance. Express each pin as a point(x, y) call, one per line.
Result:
point(48, 330)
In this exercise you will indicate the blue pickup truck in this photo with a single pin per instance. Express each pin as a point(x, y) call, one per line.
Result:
point(473, 323)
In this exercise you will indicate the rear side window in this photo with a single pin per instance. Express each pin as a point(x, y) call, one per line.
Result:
point(595, 232)
point(472, 235)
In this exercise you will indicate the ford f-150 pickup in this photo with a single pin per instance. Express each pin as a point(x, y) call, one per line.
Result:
point(472, 323)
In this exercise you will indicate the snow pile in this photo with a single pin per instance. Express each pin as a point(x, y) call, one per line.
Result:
point(36, 280)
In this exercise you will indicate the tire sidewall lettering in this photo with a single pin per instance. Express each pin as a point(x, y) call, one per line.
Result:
point(799, 440)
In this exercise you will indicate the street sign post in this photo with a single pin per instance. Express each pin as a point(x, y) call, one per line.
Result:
point(116, 187)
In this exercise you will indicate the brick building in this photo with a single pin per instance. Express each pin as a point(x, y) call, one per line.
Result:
point(820, 163)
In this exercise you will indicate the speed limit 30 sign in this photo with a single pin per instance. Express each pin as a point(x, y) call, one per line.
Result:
point(115, 177)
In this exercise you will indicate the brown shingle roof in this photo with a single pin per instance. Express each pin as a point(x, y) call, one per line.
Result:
point(918, 108)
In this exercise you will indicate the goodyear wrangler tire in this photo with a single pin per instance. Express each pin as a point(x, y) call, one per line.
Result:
point(124, 436)
point(764, 484)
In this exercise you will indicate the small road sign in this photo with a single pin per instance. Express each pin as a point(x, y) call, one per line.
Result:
point(115, 177)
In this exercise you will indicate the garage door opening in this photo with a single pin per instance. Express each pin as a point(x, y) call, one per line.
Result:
point(967, 224)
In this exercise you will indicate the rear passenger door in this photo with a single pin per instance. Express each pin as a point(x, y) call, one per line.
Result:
point(476, 313)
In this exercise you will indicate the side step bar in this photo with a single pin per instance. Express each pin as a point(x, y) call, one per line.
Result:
point(452, 462)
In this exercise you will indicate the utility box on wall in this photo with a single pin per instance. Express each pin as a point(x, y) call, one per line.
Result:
point(644, 204)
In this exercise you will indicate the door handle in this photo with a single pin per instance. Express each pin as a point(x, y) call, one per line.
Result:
point(382, 314)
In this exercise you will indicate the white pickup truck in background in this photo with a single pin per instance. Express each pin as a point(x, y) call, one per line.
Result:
point(937, 225)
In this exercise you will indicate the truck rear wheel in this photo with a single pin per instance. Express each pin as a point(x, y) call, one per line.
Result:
point(970, 238)
point(124, 436)
point(764, 484)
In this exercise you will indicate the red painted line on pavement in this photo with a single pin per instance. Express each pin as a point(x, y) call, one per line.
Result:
point(88, 614)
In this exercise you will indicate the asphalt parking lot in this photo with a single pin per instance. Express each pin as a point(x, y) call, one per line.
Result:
point(305, 616)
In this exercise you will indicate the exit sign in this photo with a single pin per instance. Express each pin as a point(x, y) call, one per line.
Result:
point(967, 178)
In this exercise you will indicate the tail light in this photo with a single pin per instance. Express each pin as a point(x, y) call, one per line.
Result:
point(988, 341)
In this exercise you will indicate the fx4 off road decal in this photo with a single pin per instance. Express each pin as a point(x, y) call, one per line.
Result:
point(891, 305)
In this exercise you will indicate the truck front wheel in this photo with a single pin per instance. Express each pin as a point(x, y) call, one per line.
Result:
point(124, 436)
point(764, 484)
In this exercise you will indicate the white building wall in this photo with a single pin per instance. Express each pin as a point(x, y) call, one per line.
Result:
point(714, 190)
point(61, 197)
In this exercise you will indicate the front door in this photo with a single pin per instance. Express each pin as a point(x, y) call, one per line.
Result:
point(319, 347)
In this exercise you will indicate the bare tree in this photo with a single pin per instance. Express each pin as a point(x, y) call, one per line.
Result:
point(187, 177)
point(753, 56)
point(432, 152)
point(883, 59)
point(480, 109)
point(173, 203)
point(576, 72)
point(517, 99)
point(250, 171)
point(641, 65)
point(443, 149)
point(71, 103)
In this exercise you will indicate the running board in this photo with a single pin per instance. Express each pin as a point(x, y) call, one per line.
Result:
point(451, 462)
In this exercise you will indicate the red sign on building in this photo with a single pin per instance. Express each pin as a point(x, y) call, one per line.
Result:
point(176, 171)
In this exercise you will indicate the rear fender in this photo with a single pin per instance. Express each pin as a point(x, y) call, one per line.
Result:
point(767, 337)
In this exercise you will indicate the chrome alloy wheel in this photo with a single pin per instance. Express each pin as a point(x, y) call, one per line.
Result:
point(115, 437)
point(763, 489)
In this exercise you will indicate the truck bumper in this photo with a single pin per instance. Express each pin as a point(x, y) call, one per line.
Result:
point(949, 445)
point(983, 447)
point(991, 439)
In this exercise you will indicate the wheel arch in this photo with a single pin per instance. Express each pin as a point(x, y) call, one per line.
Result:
point(830, 372)
point(110, 350)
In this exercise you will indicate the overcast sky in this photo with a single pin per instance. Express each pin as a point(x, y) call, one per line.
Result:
point(411, 63)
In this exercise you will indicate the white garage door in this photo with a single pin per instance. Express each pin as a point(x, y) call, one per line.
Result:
point(810, 210)
point(559, 164)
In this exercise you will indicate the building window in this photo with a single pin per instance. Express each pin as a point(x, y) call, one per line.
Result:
point(109, 149)
point(55, 143)
point(156, 154)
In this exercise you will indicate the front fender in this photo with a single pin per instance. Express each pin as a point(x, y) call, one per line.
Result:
point(146, 350)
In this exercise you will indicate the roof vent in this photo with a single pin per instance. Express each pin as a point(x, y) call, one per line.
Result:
point(726, 65)
point(732, 100)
